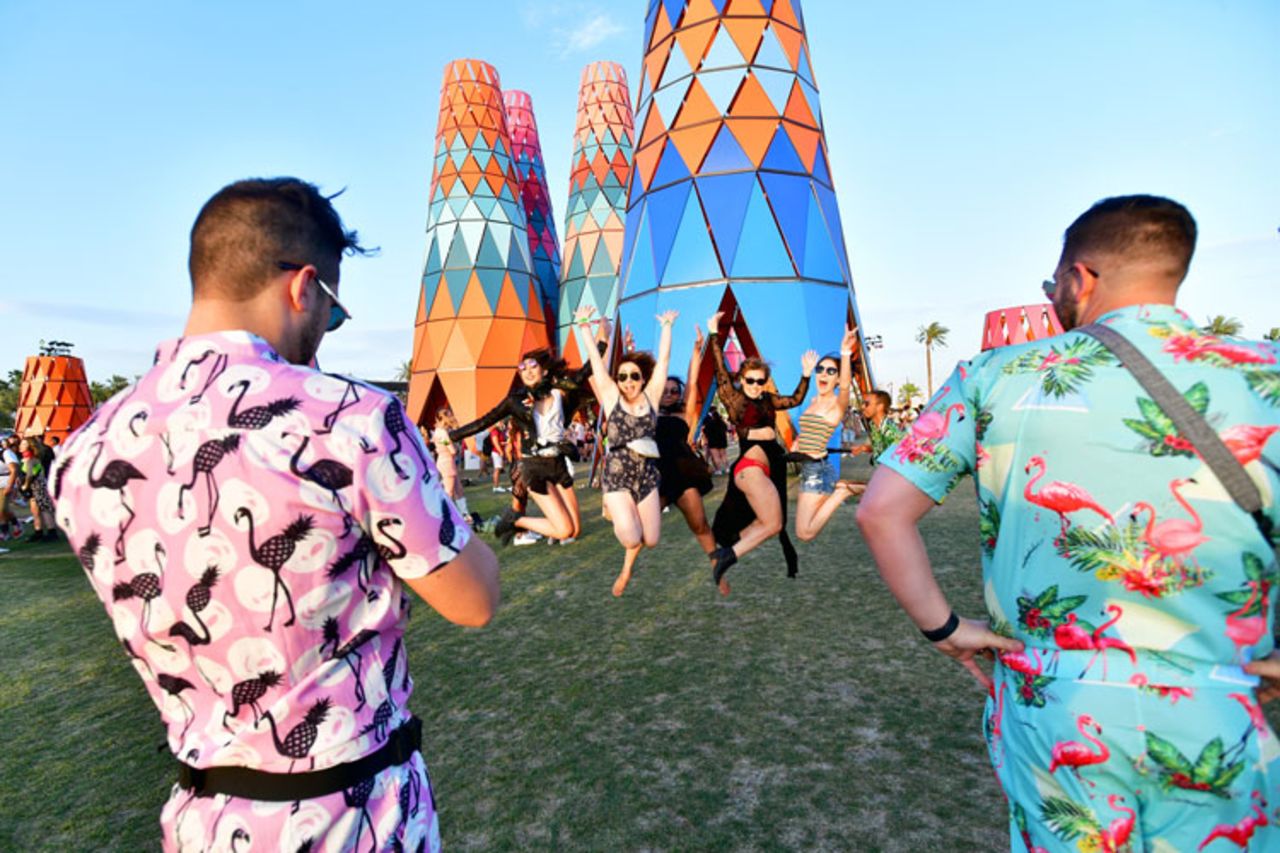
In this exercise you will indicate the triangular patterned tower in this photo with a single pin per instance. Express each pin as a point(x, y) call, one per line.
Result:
point(544, 247)
point(54, 396)
point(479, 308)
point(731, 204)
point(595, 222)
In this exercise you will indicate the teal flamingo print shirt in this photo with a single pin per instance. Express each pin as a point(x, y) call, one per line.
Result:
point(1101, 528)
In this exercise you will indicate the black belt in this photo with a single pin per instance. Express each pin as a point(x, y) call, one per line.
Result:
point(285, 787)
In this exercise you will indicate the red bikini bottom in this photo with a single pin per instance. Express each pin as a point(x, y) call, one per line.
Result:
point(746, 462)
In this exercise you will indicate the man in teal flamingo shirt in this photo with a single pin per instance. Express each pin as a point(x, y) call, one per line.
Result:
point(1129, 599)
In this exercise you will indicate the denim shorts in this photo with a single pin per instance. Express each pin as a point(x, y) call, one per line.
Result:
point(818, 477)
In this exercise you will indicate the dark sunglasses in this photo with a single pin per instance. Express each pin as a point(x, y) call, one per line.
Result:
point(338, 314)
point(751, 380)
point(829, 371)
point(1050, 285)
point(527, 364)
point(634, 376)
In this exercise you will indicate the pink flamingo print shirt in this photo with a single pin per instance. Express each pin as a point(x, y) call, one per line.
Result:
point(1102, 530)
point(247, 523)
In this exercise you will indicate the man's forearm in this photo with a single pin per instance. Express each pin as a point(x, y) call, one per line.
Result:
point(903, 562)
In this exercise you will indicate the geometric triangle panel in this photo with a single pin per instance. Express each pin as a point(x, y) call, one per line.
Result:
point(53, 396)
point(480, 246)
point(761, 233)
point(603, 150)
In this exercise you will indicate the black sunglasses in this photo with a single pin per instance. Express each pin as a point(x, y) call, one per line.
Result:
point(338, 314)
point(634, 376)
point(751, 380)
point(830, 371)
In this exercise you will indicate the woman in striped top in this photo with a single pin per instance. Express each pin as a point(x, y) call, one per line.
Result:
point(820, 490)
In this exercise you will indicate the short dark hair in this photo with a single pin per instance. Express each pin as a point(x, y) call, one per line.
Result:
point(249, 227)
point(1137, 227)
point(753, 363)
point(883, 398)
point(642, 360)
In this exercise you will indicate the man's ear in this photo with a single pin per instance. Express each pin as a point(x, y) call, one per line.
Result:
point(299, 295)
point(1088, 281)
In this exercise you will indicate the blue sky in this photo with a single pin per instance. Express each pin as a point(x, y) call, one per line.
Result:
point(963, 136)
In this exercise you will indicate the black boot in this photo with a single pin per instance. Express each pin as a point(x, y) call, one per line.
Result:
point(505, 528)
point(721, 560)
point(789, 554)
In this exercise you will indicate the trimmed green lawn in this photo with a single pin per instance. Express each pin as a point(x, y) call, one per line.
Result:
point(795, 714)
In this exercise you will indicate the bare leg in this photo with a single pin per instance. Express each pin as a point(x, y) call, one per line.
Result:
point(570, 499)
point(695, 515)
point(629, 529)
point(763, 498)
point(555, 522)
point(813, 510)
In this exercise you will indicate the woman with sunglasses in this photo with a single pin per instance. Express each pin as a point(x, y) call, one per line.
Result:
point(821, 492)
point(630, 477)
point(540, 408)
point(755, 504)
point(683, 478)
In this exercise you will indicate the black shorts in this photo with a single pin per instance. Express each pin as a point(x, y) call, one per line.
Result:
point(538, 472)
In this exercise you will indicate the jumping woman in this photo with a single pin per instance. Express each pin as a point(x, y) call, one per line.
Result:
point(683, 478)
point(755, 504)
point(540, 408)
point(630, 478)
point(820, 490)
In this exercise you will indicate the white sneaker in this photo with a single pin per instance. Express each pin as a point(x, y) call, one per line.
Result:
point(528, 537)
point(568, 541)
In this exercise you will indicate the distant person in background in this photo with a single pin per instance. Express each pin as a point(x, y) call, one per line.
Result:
point(447, 459)
point(499, 452)
point(716, 434)
point(11, 463)
point(882, 431)
point(256, 538)
point(34, 487)
point(1130, 601)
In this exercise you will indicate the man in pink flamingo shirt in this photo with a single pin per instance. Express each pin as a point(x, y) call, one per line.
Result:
point(254, 527)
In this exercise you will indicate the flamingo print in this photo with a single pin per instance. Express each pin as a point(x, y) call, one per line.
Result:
point(1254, 710)
point(147, 586)
point(88, 553)
point(274, 553)
point(207, 457)
point(1071, 636)
point(1237, 354)
point(1058, 497)
point(1240, 834)
point(359, 554)
point(1116, 837)
point(298, 742)
point(258, 417)
point(198, 598)
point(1073, 754)
point(116, 477)
point(325, 473)
point(396, 426)
point(174, 686)
point(220, 362)
point(347, 651)
point(248, 692)
point(1245, 441)
point(934, 426)
point(357, 797)
point(1174, 538)
point(1245, 631)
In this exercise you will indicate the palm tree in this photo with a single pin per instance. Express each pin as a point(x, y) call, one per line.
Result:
point(405, 371)
point(1223, 326)
point(1273, 334)
point(907, 393)
point(932, 335)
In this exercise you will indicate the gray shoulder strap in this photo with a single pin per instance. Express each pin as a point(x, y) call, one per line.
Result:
point(1190, 423)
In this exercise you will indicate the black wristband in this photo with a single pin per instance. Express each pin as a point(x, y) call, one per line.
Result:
point(937, 635)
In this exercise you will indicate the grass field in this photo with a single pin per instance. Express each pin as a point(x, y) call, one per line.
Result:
point(795, 714)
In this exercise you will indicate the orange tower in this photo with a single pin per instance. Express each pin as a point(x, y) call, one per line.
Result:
point(596, 219)
point(544, 247)
point(54, 397)
point(1019, 325)
point(479, 307)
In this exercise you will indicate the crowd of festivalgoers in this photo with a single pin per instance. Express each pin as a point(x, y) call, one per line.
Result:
point(25, 463)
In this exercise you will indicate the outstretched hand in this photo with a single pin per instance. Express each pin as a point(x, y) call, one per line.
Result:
point(1269, 669)
point(974, 637)
point(583, 315)
point(850, 339)
point(808, 361)
point(713, 324)
point(698, 338)
point(666, 318)
point(628, 340)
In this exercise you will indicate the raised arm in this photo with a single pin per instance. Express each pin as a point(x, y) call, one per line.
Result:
point(796, 397)
point(847, 343)
point(658, 380)
point(488, 419)
point(606, 390)
point(691, 401)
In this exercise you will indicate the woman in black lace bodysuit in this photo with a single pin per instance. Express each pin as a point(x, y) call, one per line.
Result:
point(630, 479)
point(755, 504)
